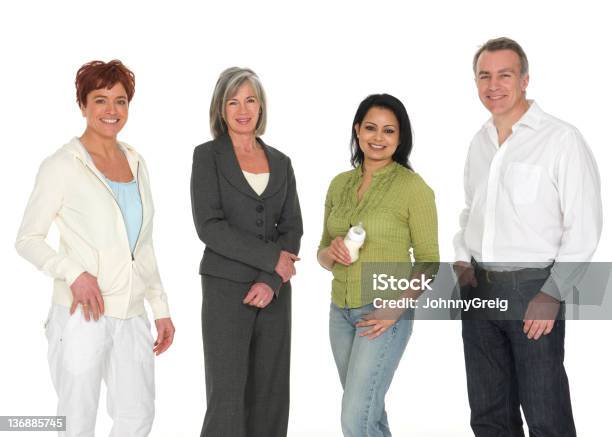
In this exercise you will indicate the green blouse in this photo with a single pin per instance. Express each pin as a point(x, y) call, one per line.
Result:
point(398, 212)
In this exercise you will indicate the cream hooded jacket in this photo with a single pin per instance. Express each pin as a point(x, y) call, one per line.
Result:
point(71, 192)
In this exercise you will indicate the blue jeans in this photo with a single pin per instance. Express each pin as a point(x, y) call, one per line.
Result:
point(366, 368)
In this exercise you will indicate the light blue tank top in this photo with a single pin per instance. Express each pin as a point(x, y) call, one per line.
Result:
point(127, 196)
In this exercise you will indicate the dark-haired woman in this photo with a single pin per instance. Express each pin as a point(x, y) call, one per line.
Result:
point(398, 212)
point(96, 190)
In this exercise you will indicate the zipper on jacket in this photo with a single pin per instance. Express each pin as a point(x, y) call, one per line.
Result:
point(119, 207)
point(141, 208)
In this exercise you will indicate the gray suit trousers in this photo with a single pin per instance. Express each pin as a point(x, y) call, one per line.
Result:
point(246, 358)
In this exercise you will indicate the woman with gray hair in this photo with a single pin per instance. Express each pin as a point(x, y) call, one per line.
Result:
point(246, 211)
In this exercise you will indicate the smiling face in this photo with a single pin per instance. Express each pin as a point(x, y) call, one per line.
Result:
point(378, 135)
point(501, 87)
point(106, 111)
point(242, 110)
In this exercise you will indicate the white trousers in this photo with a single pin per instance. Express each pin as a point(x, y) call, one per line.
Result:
point(82, 353)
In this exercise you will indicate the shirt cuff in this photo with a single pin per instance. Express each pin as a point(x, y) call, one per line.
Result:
point(462, 255)
point(159, 307)
point(273, 280)
point(72, 270)
point(551, 288)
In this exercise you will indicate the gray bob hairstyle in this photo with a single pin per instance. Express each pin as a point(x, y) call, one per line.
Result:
point(227, 86)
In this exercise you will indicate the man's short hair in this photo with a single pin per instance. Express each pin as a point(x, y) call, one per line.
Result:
point(503, 43)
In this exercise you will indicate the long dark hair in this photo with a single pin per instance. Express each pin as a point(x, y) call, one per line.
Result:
point(393, 104)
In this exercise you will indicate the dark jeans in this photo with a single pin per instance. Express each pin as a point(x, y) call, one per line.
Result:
point(506, 370)
point(246, 359)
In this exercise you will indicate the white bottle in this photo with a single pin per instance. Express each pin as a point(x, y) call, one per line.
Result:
point(354, 240)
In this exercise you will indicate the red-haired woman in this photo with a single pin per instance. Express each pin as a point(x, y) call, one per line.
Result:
point(96, 190)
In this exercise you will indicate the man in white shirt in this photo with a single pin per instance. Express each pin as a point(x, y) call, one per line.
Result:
point(533, 212)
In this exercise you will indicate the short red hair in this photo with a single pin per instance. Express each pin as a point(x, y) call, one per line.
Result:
point(97, 74)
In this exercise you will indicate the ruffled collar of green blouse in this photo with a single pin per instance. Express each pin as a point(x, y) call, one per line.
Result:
point(387, 169)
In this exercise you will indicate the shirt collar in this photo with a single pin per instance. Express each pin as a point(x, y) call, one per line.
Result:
point(380, 172)
point(531, 118)
point(76, 148)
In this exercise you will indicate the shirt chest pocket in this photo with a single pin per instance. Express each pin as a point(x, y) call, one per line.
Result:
point(522, 182)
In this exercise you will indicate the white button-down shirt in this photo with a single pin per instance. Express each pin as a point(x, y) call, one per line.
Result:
point(531, 201)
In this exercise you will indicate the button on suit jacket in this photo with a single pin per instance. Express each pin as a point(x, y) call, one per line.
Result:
point(243, 232)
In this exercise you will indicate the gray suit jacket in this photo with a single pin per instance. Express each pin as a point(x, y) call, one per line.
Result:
point(243, 232)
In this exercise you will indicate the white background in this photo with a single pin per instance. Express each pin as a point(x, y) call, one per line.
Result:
point(317, 61)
